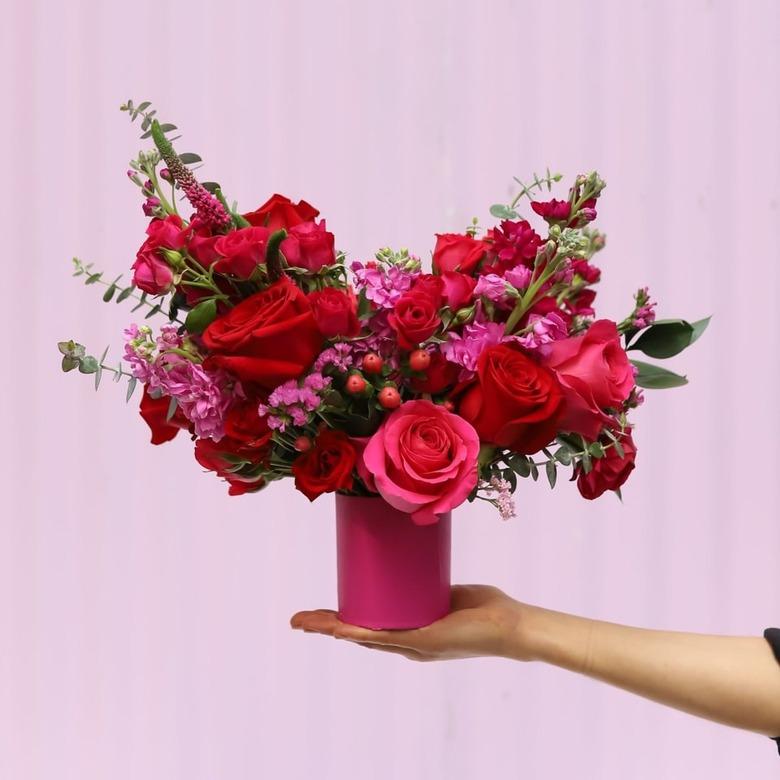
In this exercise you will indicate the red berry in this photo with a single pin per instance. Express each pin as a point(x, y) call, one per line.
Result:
point(372, 363)
point(302, 444)
point(419, 360)
point(355, 384)
point(389, 397)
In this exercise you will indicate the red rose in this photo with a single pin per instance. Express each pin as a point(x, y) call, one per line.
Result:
point(439, 375)
point(268, 338)
point(609, 472)
point(455, 252)
point(595, 373)
point(432, 285)
point(458, 289)
point(151, 271)
point(245, 426)
point(327, 466)
point(514, 402)
point(280, 212)
point(220, 457)
point(202, 246)
point(241, 251)
point(309, 245)
point(336, 312)
point(155, 414)
point(414, 318)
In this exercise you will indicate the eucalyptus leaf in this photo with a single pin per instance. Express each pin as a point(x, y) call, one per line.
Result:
point(201, 316)
point(69, 363)
point(519, 464)
point(699, 327)
point(657, 378)
point(171, 409)
point(500, 211)
point(109, 293)
point(88, 365)
point(188, 158)
point(131, 383)
point(596, 450)
point(552, 472)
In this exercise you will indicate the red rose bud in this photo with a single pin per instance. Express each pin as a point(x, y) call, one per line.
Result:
point(302, 444)
point(389, 397)
point(455, 252)
point(610, 471)
point(414, 318)
point(327, 466)
point(355, 384)
point(372, 363)
point(335, 311)
point(241, 251)
point(419, 360)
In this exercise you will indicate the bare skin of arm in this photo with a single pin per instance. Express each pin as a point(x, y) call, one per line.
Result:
point(729, 679)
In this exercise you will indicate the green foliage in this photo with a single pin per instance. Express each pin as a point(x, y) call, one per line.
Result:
point(657, 378)
point(667, 338)
point(500, 211)
point(201, 316)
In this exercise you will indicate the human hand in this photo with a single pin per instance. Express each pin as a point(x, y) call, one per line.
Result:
point(484, 621)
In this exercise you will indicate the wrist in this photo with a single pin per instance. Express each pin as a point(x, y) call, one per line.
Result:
point(552, 637)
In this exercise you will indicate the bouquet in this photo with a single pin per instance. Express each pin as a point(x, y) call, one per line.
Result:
point(380, 378)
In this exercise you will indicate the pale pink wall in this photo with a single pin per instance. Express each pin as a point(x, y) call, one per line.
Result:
point(144, 614)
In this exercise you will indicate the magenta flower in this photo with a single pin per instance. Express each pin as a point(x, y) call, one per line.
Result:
point(492, 287)
point(464, 349)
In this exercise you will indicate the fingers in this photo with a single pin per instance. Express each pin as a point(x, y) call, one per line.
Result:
point(412, 655)
point(326, 621)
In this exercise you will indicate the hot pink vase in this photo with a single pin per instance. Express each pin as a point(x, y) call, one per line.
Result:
point(392, 573)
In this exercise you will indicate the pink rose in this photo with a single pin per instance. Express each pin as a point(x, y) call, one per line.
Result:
point(595, 373)
point(309, 245)
point(151, 272)
point(423, 460)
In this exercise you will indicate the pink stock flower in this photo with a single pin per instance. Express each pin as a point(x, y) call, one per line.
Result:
point(492, 287)
point(464, 349)
point(383, 286)
point(519, 277)
point(423, 460)
point(544, 329)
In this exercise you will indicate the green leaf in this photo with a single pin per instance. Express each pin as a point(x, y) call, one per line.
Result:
point(211, 186)
point(667, 338)
point(586, 463)
point(563, 455)
point(92, 278)
point(166, 128)
point(88, 365)
point(500, 211)
point(201, 316)
point(657, 378)
point(552, 472)
point(69, 363)
point(188, 158)
point(141, 302)
point(141, 106)
point(125, 294)
point(699, 327)
point(154, 310)
point(534, 470)
point(109, 293)
point(596, 450)
point(171, 409)
point(619, 449)
point(98, 377)
point(131, 383)
point(519, 464)
point(510, 477)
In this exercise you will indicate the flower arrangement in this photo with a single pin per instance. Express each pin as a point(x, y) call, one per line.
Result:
point(280, 359)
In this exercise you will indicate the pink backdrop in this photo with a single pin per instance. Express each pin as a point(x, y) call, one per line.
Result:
point(144, 614)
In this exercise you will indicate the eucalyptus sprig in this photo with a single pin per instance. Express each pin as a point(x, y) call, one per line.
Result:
point(502, 211)
point(74, 355)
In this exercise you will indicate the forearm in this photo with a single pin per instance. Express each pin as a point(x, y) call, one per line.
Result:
point(732, 680)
